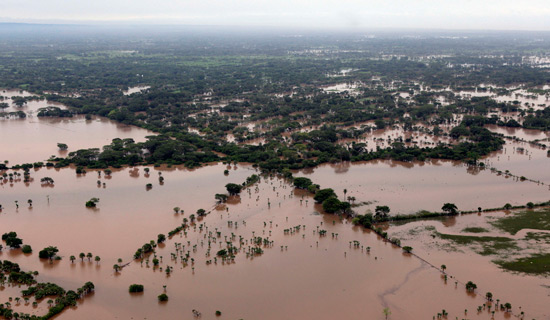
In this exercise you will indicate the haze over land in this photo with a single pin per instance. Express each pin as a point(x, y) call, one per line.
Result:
point(319, 14)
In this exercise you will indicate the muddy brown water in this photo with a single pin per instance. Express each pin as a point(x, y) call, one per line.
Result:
point(407, 187)
point(310, 277)
point(295, 282)
point(527, 291)
point(35, 139)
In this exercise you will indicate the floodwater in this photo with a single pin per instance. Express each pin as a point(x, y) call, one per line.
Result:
point(35, 139)
point(525, 134)
point(528, 291)
point(526, 99)
point(408, 187)
point(522, 159)
point(295, 276)
point(135, 89)
point(300, 275)
point(352, 87)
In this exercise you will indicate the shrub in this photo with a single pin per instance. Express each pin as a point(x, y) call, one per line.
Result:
point(163, 297)
point(136, 288)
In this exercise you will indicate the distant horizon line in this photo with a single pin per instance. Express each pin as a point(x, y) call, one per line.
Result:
point(144, 23)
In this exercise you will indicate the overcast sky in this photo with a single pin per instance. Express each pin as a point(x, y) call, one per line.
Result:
point(356, 14)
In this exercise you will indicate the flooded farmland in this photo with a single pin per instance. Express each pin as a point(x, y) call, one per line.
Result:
point(290, 274)
point(410, 187)
point(36, 138)
point(250, 174)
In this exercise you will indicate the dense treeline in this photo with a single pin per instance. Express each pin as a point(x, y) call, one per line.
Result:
point(309, 150)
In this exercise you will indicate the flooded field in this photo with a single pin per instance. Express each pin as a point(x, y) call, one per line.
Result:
point(410, 187)
point(136, 89)
point(306, 257)
point(36, 138)
point(289, 256)
point(470, 258)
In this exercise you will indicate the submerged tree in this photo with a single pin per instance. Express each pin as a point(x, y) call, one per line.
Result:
point(450, 208)
point(163, 297)
point(92, 203)
point(48, 252)
point(381, 211)
point(62, 146)
point(470, 286)
point(233, 188)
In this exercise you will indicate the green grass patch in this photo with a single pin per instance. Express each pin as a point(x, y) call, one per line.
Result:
point(482, 245)
point(538, 236)
point(535, 264)
point(524, 220)
point(474, 230)
point(419, 230)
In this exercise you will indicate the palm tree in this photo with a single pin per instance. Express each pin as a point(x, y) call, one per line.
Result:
point(89, 256)
point(97, 259)
point(72, 258)
point(82, 256)
point(386, 312)
point(116, 267)
point(443, 267)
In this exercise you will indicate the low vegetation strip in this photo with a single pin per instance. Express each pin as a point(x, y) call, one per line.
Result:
point(539, 220)
point(535, 264)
